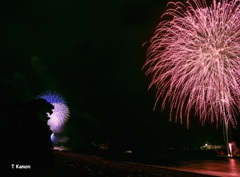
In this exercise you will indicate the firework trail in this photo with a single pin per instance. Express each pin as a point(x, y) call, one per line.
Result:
point(194, 60)
point(60, 113)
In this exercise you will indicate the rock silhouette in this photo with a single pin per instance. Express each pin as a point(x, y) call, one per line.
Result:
point(27, 135)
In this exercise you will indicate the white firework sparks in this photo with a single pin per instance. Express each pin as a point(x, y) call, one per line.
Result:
point(60, 113)
point(59, 116)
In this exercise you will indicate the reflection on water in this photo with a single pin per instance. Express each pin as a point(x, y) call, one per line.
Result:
point(201, 163)
point(222, 167)
point(233, 167)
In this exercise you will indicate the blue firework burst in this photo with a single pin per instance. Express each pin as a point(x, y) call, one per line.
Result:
point(52, 97)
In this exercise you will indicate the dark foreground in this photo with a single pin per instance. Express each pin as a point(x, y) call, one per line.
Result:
point(78, 165)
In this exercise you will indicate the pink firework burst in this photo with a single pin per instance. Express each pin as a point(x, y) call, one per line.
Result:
point(194, 60)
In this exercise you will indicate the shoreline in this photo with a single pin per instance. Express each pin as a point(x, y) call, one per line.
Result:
point(97, 166)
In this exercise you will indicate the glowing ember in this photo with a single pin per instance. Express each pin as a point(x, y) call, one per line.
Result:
point(230, 149)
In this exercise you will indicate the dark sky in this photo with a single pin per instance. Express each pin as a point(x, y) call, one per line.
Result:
point(91, 52)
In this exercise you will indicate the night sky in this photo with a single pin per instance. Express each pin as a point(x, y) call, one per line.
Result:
point(92, 53)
